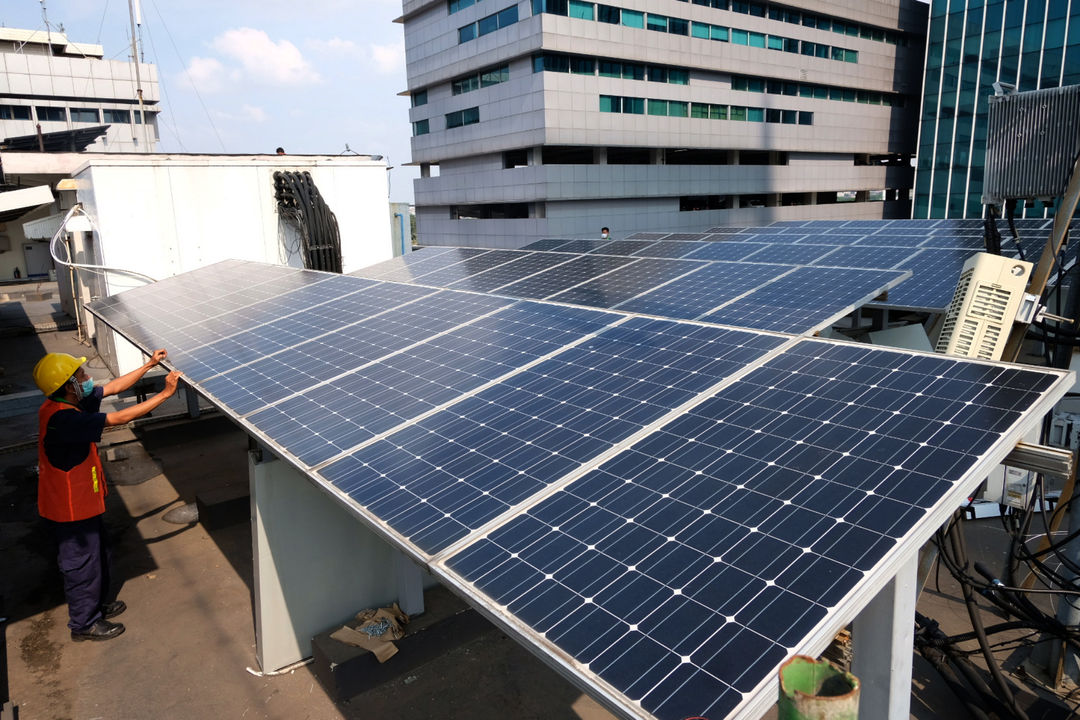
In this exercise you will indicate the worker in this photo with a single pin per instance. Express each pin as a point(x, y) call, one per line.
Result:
point(71, 481)
point(604, 233)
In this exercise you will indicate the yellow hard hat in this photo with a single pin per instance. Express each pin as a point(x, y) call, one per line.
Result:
point(55, 369)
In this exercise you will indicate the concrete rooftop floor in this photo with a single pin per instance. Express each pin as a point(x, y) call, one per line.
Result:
point(190, 638)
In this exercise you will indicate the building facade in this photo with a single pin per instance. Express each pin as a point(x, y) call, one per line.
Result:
point(540, 118)
point(972, 44)
point(51, 83)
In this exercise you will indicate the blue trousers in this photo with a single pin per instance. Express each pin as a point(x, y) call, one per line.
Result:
point(84, 559)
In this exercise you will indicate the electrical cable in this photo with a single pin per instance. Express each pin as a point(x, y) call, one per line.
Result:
point(300, 203)
point(102, 269)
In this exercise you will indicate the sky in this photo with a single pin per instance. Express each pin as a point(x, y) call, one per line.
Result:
point(247, 76)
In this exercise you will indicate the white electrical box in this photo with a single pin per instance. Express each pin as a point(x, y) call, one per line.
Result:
point(1010, 486)
point(984, 307)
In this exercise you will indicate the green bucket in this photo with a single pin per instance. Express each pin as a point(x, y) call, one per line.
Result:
point(814, 690)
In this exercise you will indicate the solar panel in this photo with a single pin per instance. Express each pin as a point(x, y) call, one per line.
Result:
point(630, 281)
point(528, 264)
point(453, 472)
point(680, 573)
point(806, 296)
point(666, 249)
point(664, 509)
point(623, 247)
point(789, 254)
point(451, 273)
point(546, 244)
point(702, 291)
point(730, 251)
point(647, 236)
point(406, 267)
point(576, 270)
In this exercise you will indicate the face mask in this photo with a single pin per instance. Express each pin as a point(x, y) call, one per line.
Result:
point(87, 387)
point(603, 236)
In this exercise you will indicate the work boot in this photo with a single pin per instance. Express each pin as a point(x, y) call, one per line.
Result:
point(101, 630)
point(112, 609)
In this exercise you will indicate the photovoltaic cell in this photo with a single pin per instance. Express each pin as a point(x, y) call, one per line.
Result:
point(933, 281)
point(805, 297)
point(449, 274)
point(648, 236)
point(576, 270)
point(668, 249)
point(546, 244)
point(405, 268)
point(528, 264)
point(642, 276)
point(623, 247)
point(701, 292)
point(861, 256)
point(730, 251)
point(454, 471)
point(789, 254)
point(684, 570)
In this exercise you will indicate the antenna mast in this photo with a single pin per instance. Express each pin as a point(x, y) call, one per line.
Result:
point(133, 12)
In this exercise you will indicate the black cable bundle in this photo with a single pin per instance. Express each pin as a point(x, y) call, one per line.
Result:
point(299, 201)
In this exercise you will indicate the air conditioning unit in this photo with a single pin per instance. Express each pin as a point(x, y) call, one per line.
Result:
point(984, 307)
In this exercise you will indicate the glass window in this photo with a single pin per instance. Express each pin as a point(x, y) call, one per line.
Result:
point(420, 127)
point(111, 116)
point(419, 98)
point(852, 30)
point(657, 22)
point(806, 118)
point(808, 48)
point(17, 112)
point(699, 110)
point(633, 71)
point(699, 30)
point(774, 87)
point(806, 91)
point(658, 107)
point(610, 68)
point(137, 117)
point(838, 26)
point(467, 33)
point(471, 115)
point(51, 114)
point(495, 75)
point(488, 24)
point(838, 53)
point(678, 26)
point(740, 37)
point(789, 117)
point(719, 33)
point(581, 10)
point(610, 104)
point(84, 115)
point(755, 85)
point(851, 56)
point(607, 14)
point(772, 115)
point(582, 66)
point(821, 93)
point(678, 77)
point(718, 112)
point(633, 18)
point(849, 94)
point(776, 42)
point(633, 106)
point(755, 114)
point(509, 16)
point(821, 51)
point(757, 40)
point(738, 113)
point(740, 7)
point(658, 74)
point(554, 7)
point(677, 108)
point(455, 5)
point(791, 45)
point(757, 10)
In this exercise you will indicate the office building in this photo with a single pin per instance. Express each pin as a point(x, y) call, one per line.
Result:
point(75, 98)
point(1022, 44)
point(537, 118)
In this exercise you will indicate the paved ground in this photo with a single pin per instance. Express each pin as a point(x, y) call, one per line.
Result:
point(190, 637)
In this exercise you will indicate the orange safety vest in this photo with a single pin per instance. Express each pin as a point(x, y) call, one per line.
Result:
point(75, 494)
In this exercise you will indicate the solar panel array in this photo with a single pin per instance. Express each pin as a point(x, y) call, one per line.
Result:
point(665, 510)
point(760, 295)
point(933, 250)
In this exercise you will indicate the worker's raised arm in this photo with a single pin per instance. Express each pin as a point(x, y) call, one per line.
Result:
point(124, 382)
point(136, 411)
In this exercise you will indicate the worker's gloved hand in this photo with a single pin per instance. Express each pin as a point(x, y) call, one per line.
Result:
point(170, 381)
point(158, 356)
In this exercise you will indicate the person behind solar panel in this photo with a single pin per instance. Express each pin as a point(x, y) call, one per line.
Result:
point(71, 481)
point(604, 233)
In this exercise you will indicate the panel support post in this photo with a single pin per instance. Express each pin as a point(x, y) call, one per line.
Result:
point(884, 635)
point(410, 585)
point(315, 564)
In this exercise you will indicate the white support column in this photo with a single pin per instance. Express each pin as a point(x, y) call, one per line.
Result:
point(884, 635)
point(315, 565)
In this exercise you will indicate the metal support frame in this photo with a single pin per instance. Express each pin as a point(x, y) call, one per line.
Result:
point(884, 635)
